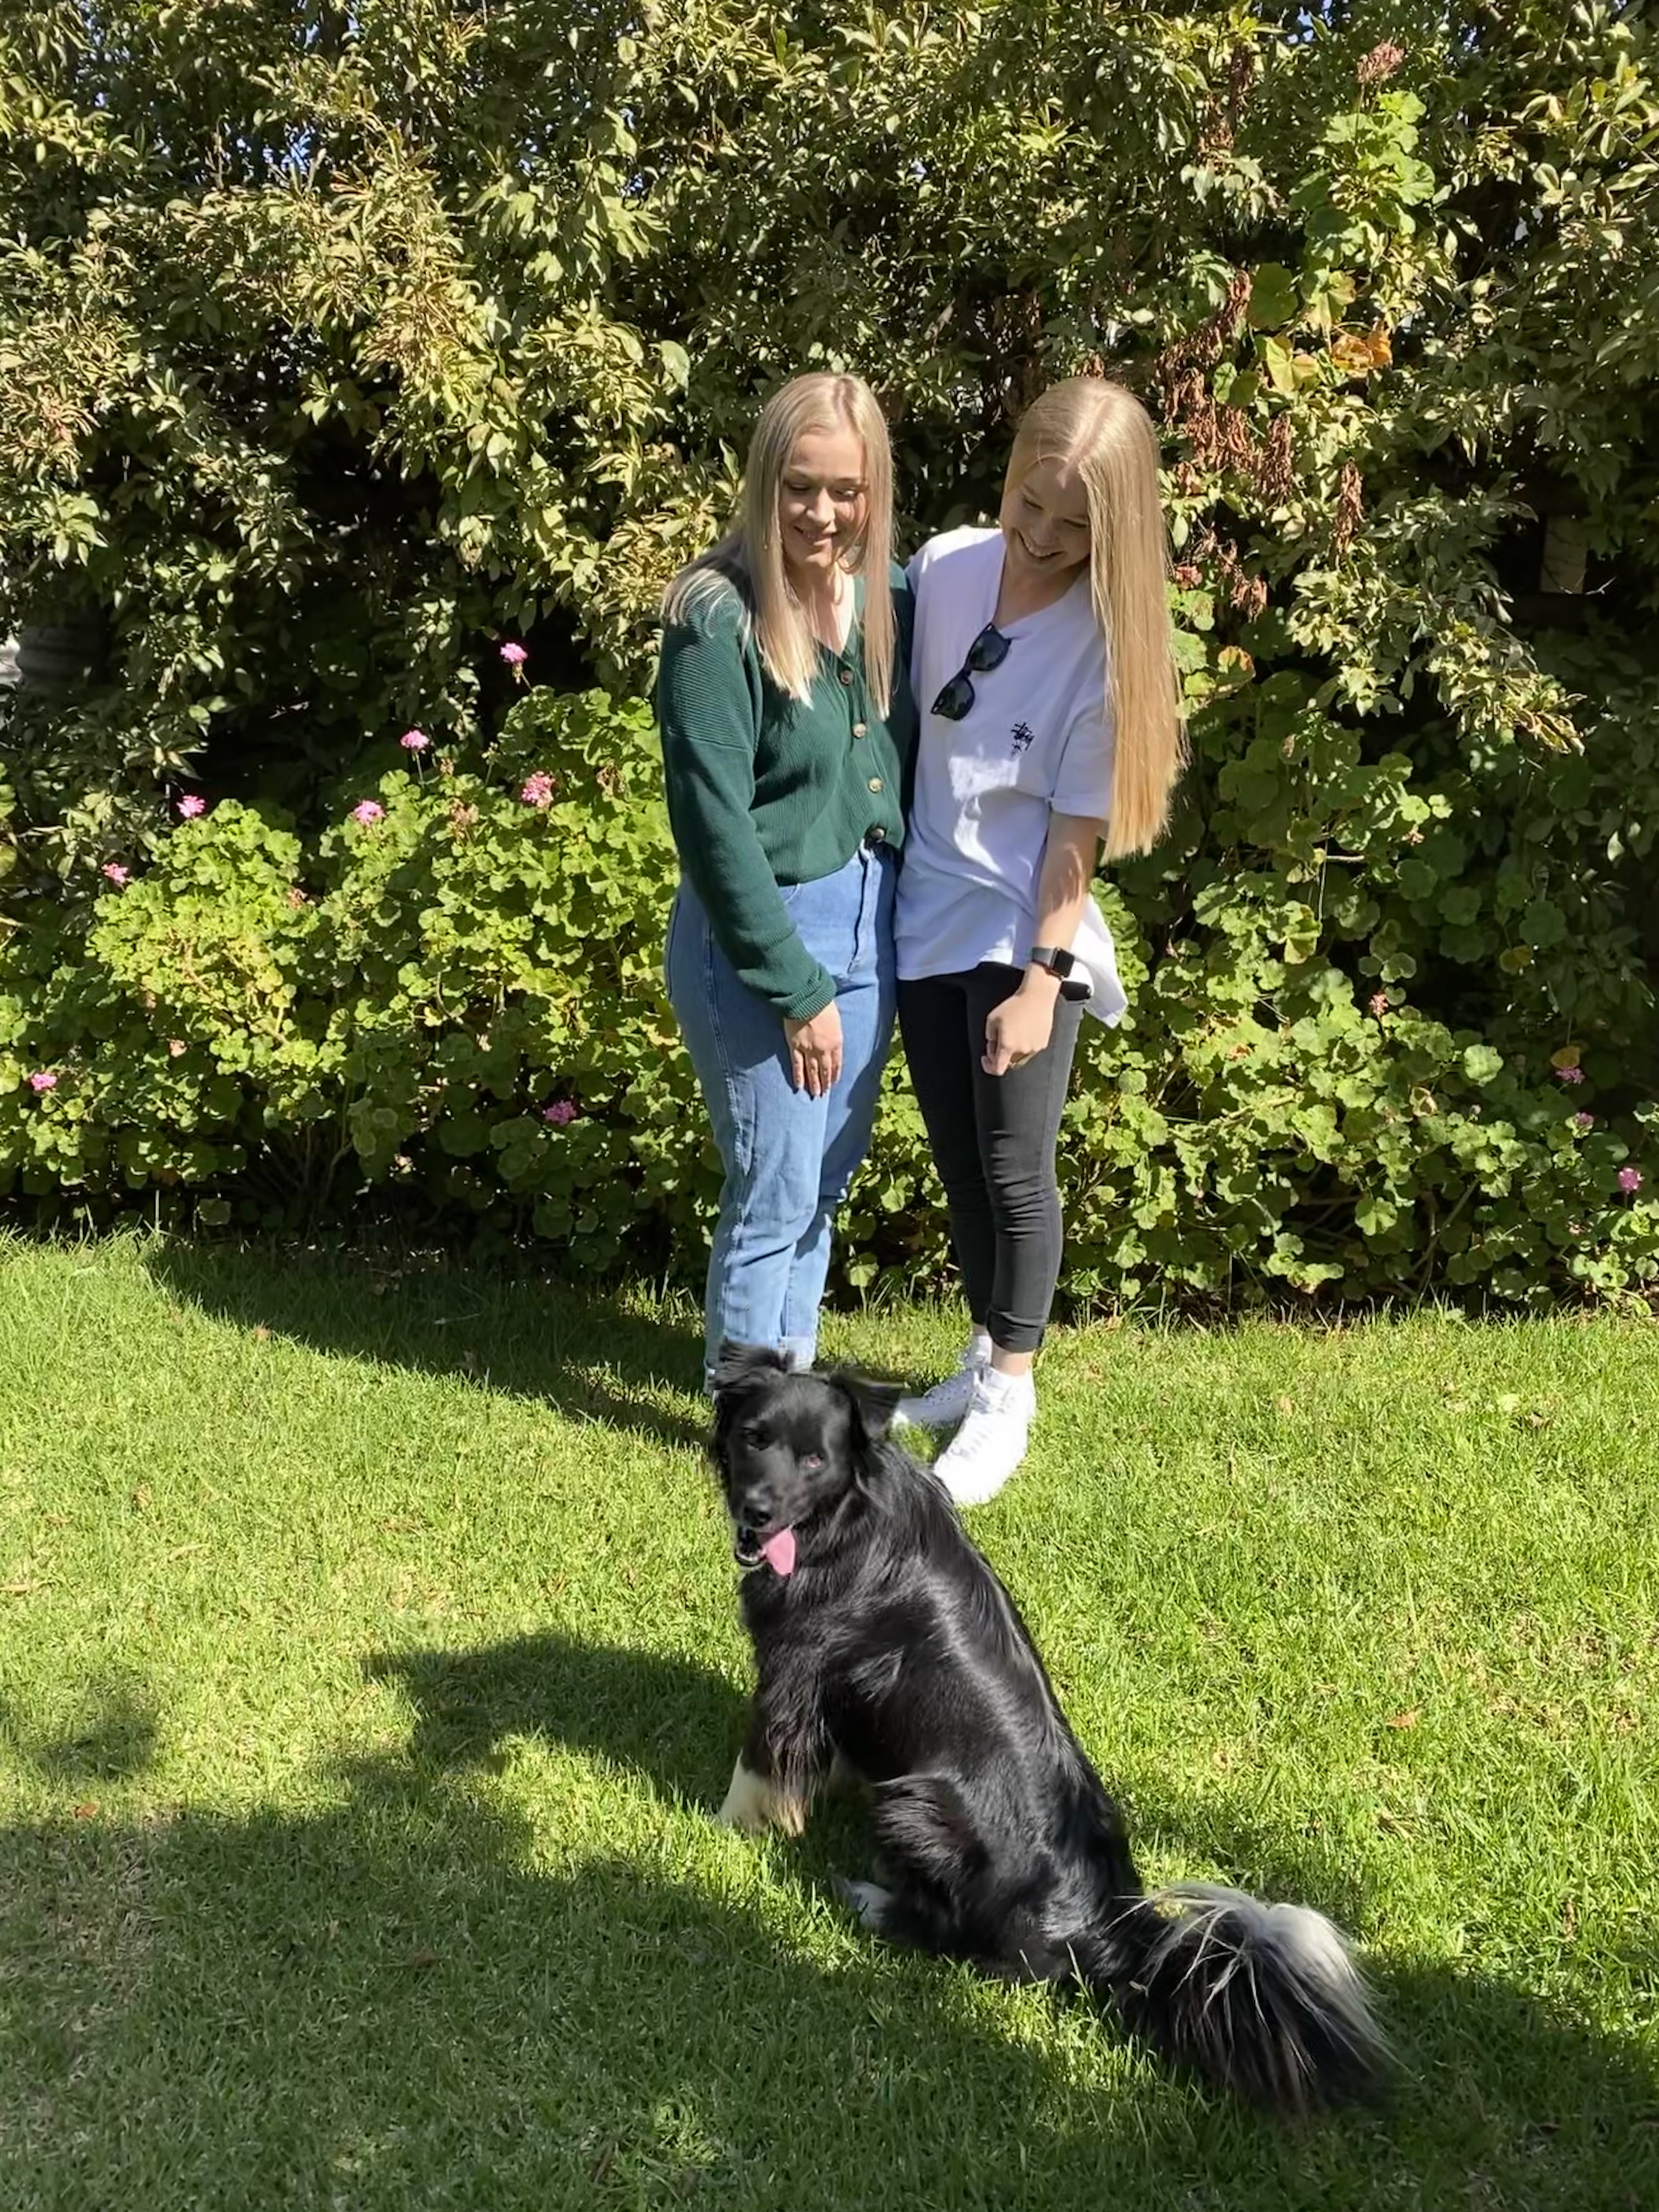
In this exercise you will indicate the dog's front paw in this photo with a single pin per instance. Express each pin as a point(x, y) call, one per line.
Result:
point(868, 1901)
point(753, 1803)
point(747, 1801)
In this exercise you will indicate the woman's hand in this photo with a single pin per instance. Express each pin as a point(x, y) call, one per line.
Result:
point(814, 1051)
point(1021, 1026)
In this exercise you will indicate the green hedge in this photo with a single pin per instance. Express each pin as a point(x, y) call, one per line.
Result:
point(454, 994)
point(454, 988)
point(339, 344)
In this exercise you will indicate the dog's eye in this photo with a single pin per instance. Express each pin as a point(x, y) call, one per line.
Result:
point(811, 1461)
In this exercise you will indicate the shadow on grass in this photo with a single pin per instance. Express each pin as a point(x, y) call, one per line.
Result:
point(674, 1723)
point(386, 2006)
point(581, 1350)
point(413, 1999)
point(111, 1737)
point(1497, 2093)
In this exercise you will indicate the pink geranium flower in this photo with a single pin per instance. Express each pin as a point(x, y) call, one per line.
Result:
point(42, 1079)
point(369, 810)
point(414, 741)
point(1379, 1004)
point(1379, 64)
point(1583, 1121)
point(561, 1113)
point(117, 875)
point(191, 806)
point(515, 657)
point(537, 789)
point(1630, 1181)
point(1568, 1074)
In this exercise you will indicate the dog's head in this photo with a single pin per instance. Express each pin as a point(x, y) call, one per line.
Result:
point(788, 1448)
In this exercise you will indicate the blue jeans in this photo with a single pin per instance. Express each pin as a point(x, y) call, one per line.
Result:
point(789, 1158)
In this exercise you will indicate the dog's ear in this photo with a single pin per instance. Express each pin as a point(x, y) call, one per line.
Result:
point(738, 1364)
point(875, 1403)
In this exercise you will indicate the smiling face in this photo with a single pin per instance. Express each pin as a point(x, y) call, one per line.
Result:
point(821, 502)
point(1045, 526)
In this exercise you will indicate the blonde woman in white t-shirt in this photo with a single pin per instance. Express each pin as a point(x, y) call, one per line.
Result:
point(1052, 724)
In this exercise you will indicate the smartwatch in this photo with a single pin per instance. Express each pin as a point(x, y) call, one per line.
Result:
point(1059, 964)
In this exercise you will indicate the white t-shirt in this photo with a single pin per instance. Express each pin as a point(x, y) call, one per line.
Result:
point(1035, 742)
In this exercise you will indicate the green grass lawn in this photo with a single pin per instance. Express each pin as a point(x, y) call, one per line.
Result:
point(369, 1669)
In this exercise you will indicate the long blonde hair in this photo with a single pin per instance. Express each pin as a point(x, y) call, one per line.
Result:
point(749, 559)
point(1097, 428)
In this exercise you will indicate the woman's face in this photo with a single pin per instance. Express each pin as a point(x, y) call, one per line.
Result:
point(821, 501)
point(1045, 523)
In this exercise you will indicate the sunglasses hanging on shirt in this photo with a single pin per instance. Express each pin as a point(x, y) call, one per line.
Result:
point(988, 651)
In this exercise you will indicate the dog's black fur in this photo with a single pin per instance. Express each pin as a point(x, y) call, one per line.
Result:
point(893, 1651)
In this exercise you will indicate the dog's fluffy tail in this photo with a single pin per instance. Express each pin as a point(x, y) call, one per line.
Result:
point(1263, 2000)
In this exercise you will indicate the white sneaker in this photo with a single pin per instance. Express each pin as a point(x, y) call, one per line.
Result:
point(991, 1440)
point(947, 1402)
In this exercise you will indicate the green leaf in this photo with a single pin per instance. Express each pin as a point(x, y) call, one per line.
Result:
point(1276, 359)
point(1275, 296)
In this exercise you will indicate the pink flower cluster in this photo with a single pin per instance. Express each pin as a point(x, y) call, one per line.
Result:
point(537, 789)
point(191, 806)
point(515, 657)
point(369, 810)
point(1379, 64)
point(1379, 1004)
point(1583, 1121)
point(415, 741)
point(117, 875)
point(42, 1079)
point(1568, 1074)
point(1630, 1181)
point(561, 1113)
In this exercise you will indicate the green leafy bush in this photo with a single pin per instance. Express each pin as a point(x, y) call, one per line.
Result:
point(337, 344)
point(454, 994)
point(454, 988)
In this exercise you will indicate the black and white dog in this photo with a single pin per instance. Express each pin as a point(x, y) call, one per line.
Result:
point(887, 1649)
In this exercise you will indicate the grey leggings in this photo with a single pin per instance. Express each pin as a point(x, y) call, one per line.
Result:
point(993, 1140)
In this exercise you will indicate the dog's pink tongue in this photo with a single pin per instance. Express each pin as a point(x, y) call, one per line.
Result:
point(778, 1551)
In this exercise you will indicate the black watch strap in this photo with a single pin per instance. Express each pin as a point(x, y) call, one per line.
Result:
point(1059, 964)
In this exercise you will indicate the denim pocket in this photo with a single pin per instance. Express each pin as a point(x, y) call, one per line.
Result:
point(825, 913)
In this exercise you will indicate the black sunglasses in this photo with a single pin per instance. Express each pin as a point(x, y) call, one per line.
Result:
point(988, 651)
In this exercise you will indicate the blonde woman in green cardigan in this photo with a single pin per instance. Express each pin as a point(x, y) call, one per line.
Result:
point(787, 730)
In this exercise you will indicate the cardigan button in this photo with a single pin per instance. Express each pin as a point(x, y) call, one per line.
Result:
point(846, 675)
point(875, 783)
point(860, 729)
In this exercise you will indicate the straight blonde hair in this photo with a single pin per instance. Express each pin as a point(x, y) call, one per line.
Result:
point(750, 559)
point(1096, 427)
